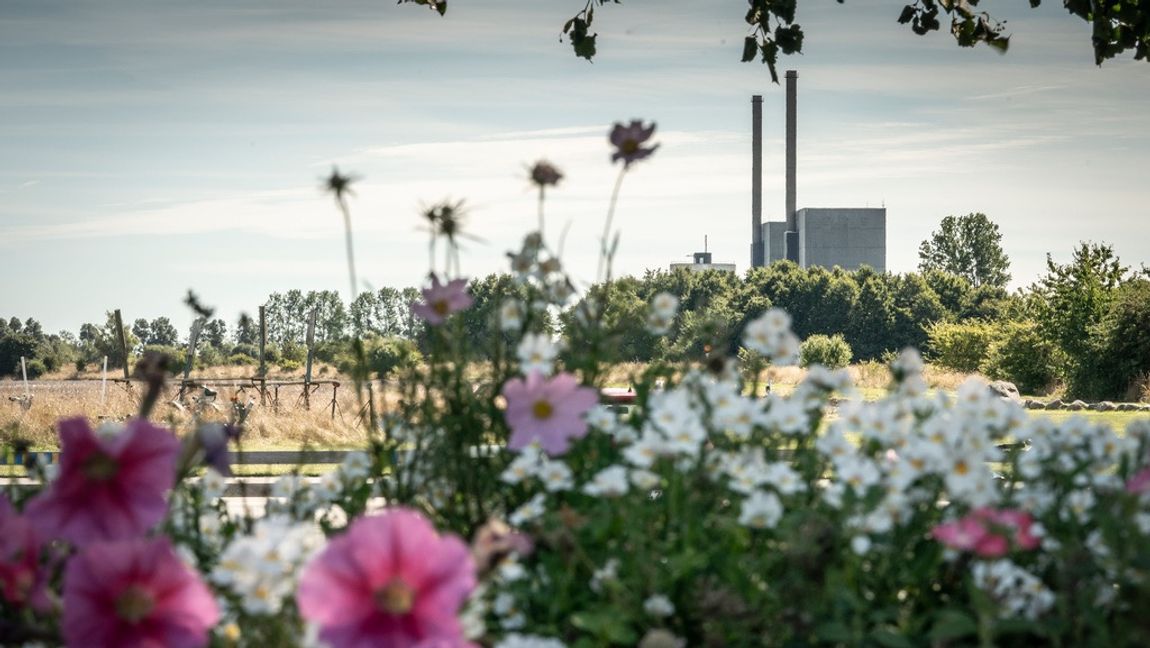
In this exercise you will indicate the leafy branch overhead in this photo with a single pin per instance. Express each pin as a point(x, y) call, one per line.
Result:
point(1118, 26)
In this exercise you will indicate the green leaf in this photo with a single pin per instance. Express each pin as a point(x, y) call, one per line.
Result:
point(750, 48)
point(951, 625)
point(835, 632)
point(606, 625)
point(906, 15)
point(890, 639)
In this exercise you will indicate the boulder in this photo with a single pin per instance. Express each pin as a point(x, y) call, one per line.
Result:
point(1032, 404)
point(1005, 389)
point(1055, 404)
point(1104, 406)
point(1127, 407)
point(1077, 406)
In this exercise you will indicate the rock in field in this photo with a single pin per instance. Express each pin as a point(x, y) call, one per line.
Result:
point(1005, 390)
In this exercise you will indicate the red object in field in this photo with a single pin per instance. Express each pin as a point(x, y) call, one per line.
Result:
point(617, 395)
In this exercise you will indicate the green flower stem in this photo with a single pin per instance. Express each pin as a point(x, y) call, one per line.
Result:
point(604, 261)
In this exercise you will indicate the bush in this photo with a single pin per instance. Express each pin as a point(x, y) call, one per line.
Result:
point(831, 351)
point(36, 368)
point(1022, 356)
point(250, 350)
point(384, 355)
point(241, 359)
point(287, 364)
point(177, 356)
point(961, 346)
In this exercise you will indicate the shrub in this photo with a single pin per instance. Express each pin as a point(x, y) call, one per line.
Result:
point(35, 368)
point(384, 355)
point(1022, 356)
point(177, 356)
point(831, 351)
point(241, 359)
point(961, 346)
point(287, 364)
point(250, 350)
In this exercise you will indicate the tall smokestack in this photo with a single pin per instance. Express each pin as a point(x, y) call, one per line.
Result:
point(757, 248)
point(792, 221)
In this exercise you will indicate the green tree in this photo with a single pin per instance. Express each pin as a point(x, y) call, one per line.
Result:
point(969, 246)
point(1074, 299)
point(162, 332)
point(1124, 344)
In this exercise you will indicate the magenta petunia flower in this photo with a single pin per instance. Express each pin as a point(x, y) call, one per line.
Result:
point(109, 487)
point(441, 300)
point(23, 580)
point(135, 593)
point(549, 411)
point(1139, 483)
point(989, 533)
point(628, 142)
point(391, 580)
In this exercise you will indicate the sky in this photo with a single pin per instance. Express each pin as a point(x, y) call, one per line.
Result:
point(148, 147)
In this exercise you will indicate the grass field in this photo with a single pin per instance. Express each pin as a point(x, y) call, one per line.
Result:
point(292, 426)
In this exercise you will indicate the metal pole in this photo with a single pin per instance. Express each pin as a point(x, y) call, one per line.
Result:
point(307, 370)
point(104, 384)
point(24, 371)
point(792, 136)
point(757, 249)
point(193, 338)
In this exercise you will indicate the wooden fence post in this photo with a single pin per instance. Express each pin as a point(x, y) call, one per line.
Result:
point(123, 342)
point(307, 370)
point(263, 361)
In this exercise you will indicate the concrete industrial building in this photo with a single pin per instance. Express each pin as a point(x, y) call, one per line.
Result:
point(701, 262)
point(844, 237)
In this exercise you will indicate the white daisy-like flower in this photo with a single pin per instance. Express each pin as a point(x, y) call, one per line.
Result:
point(556, 476)
point(531, 510)
point(665, 304)
point(609, 482)
point(355, 465)
point(537, 352)
point(762, 510)
point(658, 606)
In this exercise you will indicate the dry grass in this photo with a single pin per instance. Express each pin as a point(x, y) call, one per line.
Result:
point(290, 424)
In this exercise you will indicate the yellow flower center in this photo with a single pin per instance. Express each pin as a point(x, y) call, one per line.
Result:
point(100, 467)
point(134, 604)
point(542, 409)
point(440, 307)
point(961, 468)
point(395, 597)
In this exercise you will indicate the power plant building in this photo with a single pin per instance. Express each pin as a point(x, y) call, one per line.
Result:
point(846, 237)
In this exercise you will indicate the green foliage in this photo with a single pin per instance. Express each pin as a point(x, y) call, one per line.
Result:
point(383, 355)
point(1073, 300)
point(241, 359)
point(968, 246)
point(12, 346)
point(1124, 341)
point(1022, 356)
point(961, 346)
point(831, 351)
point(177, 356)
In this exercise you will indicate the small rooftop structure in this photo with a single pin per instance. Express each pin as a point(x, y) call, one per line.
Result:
point(701, 262)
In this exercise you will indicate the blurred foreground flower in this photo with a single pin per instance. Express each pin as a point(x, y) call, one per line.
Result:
point(391, 580)
point(990, 533)
point(441, 300)
point(22, 579)
point(110, 487)
point(135, 593)
point(628, 142)
point(547, 411)
point(545, 174)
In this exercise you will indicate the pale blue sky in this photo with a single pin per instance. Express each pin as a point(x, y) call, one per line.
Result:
point(151, 146)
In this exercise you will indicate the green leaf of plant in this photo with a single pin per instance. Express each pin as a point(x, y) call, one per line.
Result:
point(951, 625)
point(750, 48)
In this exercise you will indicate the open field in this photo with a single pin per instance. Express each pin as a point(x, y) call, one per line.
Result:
point(292, 425)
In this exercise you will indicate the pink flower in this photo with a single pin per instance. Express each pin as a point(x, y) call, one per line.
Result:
point(441, 300)
point(135, 593)
point(1139, 483)
point(549, 411)
point(391, 580)
point(628, 142)
point(989, 533)
point(109, 488)
point(22, 578)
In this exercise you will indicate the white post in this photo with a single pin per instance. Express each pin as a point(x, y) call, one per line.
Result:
point(104, 384)
point(24, 371)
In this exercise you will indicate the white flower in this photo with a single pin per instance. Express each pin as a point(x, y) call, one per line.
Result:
point(556, 476)
point(610, 482)
point(262, 568)
point(515, 640)
point(761, 510)
point(355, 465)
point(527, 464)
point(645, 479)
point(213, 485)
point(605, 574)
point(529, 511)
point(858, 473)
point(659, 606)
point(1017, 592)
point(658, 324)
point(860, 544)
point(665, 304)
point(537, 353)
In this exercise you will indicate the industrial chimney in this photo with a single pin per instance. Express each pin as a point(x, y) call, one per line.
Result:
point(792, 235)
point(758, 250)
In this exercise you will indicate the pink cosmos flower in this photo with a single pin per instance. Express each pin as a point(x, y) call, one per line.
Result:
point(628, 142)
point(441, 300)
point(391, 580)
point(1139, 483)
point(549, 411)
point(135, 593)
point(22, 579)
point(109, 488)
point(989, 533)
